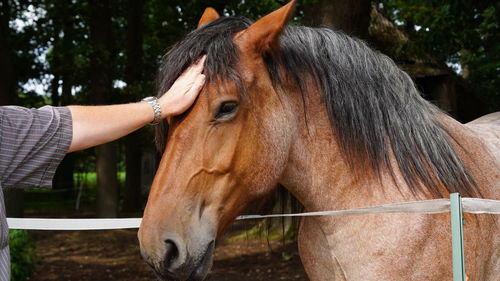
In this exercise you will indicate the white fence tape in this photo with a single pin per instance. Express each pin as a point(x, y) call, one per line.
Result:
point(72, 224)
point(481, 206)
point(470, 205)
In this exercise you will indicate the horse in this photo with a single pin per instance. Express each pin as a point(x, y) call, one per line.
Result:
point(336, 123)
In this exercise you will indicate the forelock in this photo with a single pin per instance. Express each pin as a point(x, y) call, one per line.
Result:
point(215, 40)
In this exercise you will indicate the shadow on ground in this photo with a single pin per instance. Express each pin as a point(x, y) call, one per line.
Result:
point(114, 255)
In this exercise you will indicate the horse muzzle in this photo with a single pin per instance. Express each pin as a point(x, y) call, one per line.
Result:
point(175, 260)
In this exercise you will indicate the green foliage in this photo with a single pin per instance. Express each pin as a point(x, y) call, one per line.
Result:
point(22, 255)
point(484, 60)
point(32, 99)
point(462, 32)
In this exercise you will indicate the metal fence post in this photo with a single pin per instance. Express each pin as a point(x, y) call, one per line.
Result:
point(457, 237)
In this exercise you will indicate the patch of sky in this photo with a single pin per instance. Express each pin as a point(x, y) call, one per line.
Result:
point(27, 18)
point(119, 84)
point(455, 66)
point(40, 86)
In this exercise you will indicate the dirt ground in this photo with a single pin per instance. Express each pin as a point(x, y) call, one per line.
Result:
point(114, 255)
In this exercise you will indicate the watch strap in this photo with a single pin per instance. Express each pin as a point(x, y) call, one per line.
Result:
point(153, 101)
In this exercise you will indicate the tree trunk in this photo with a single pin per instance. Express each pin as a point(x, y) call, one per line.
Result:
point(350, 16)
point(133, 75)
point(100, 89)
point(63, 178)
point(132, 196)
point(54, 90)
point(8, 79)
point(107, 182)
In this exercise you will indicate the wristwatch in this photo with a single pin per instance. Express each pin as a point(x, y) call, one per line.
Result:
point(153, 101)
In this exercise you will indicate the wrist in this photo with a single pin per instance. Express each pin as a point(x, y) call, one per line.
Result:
point(165, 106)
point(156, 107)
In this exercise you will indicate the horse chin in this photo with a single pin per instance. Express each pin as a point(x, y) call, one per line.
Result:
point(204, 264)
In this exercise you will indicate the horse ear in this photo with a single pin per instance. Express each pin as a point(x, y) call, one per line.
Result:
point(263, 35)
point(209, 15)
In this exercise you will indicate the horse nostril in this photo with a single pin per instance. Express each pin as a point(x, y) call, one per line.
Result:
point(171, 253)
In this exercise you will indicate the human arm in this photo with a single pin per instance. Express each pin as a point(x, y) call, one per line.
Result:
point(94, 125)
point(32, 144)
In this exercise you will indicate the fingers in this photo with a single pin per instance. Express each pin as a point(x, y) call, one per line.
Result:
point(183, 98)
point(184, 90)
point(201, 62)
point(195, 69)
point(197, 85)
point(189, 76)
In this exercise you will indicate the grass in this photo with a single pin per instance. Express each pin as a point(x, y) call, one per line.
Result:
point(90, 179)
point(267, 229)
point(49, 200)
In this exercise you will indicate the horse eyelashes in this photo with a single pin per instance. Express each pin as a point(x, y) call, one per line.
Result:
point(226, 108)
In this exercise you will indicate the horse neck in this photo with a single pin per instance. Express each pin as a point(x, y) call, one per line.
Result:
point(317, 173)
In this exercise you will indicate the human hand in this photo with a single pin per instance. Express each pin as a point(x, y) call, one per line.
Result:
point(184, 91)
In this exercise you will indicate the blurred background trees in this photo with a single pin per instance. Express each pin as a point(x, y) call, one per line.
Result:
point(107, 51)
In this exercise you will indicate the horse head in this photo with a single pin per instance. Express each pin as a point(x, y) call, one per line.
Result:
point(228, 150)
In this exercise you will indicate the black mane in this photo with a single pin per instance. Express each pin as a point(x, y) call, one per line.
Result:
point(373, 106)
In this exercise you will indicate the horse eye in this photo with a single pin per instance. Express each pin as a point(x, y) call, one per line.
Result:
point(226, 108)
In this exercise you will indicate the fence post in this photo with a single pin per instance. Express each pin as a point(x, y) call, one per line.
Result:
point(457, 237)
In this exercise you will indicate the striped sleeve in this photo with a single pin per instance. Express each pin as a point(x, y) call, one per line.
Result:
point(32, 144)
